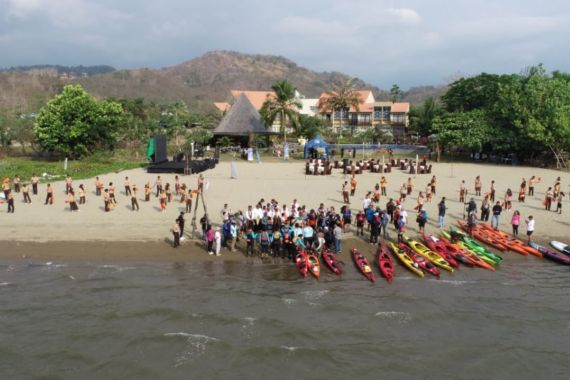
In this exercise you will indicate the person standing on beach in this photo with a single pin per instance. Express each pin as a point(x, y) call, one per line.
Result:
point(134, 200)
point(176, 234)
point(147, 192)
point(508, 200)
point(233, 236)
point(218, 240)
point(68, 184)
point(352, 185)
point(531, 183)
point(210, 236)
point(492, 191)
point(107, 200)
point(201, 181)
point(81, 194)
point(401, 226)
point(422, 220)
point(35, 180)
point(403, 192)
point(26, 194)
point(168, 192)
point(98, 186)
point(441, 210)
point(10, 203)
point(158, 185)
point(71, 201)
point(16, 182)
point(383, 185)
point(49, 194)
point(6, 187)
point(433, 184)
point(176, 185)
point(127, 187)
point(497, 209)
point(522, 191)
point(548, 199)
point(112, 198)
point(345, 193)
point(409, 186)
point(163, 201)
point(529, 228)
point(559, 202)
point(478, 186)
point(189, 201)
point(180, 220)
point(337, 233)
point(485, 209)
point(462, 192)
point(515, 222)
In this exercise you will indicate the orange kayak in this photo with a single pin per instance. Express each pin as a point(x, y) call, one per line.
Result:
point(511, 242)
point(483, 237)
point(474, 258)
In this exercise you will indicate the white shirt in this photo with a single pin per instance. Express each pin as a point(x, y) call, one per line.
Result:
point(366, 203)
point(530, 225)
point(404, 215)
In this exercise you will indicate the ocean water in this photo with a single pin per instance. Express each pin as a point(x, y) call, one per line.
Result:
point(248, 320)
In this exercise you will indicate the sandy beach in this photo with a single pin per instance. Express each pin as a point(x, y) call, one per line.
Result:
point(284, 182)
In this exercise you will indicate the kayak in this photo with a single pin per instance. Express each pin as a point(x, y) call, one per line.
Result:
point(454, 251)
point(405, 259)
point(362, 265)
point(551, 255)
point(482, 237)
point(438, 247)
point(331, 262)
point(385, 263)
point(564, 248)
point(478, 248)
point(301, 263)
point(476, 259)
point(511, 242)
point(421, 261)
point(314, 266)
point(428, 254)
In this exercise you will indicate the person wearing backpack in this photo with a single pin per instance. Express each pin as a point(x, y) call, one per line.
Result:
point(360, 223)
point(422, 219)
point(374, 228)
point(264, 238)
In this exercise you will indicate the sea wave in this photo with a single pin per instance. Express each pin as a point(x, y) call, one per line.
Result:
point(314, 294)
point(194, 336)
point(401, 317)
point(197, 346)
point(4, 283)
point(453, 282)
point(117, 268)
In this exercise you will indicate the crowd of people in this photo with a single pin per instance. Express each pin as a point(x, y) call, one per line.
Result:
point(279, 229)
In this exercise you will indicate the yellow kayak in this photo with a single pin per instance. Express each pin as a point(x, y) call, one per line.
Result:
point(405, 259)
point(428, 254)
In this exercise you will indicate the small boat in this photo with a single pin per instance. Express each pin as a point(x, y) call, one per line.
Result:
point(301, 263)
point(428, 254)
point(510, 241)
point(406, 260)
point(331, 262)
point(385, 263)
point(426, 265)
point(438, 247)
point(551, 255)
point(479, 261)
point(564, 248)
point(479, 234)
point(456, 252)
point(314, 266)
point(481, 251)
point(362, 265)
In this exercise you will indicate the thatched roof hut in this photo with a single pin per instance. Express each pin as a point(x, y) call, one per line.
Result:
point(241, 120)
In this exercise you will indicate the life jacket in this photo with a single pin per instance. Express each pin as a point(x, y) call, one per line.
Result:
point(264, 238)
point(360, 217)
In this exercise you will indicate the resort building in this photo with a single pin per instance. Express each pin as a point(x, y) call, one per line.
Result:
point(390, 116)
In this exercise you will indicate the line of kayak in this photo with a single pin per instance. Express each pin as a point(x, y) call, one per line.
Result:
point(448, 251)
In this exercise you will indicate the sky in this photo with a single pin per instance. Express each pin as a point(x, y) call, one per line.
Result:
point(410, 43)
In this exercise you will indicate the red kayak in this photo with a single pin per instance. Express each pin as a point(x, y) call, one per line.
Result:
point(438, 247)
point(331, 262)
point(385, 263)
point(456, 252)
point(301, 263)
point(422, 262)
point(362, 265)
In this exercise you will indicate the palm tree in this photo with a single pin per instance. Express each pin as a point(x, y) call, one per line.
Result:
point(341, 99)
point(284, 105)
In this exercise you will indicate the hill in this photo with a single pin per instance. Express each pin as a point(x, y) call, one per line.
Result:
point(198, 82)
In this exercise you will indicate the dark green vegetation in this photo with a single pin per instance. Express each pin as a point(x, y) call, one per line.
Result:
point(526, 114)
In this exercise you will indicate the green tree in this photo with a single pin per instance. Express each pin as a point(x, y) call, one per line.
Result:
point(140, 121)
point(309, 126)
point(422, 117)
point(395, 93)
point(284, 105)
point(341, 99)
point(74, 123)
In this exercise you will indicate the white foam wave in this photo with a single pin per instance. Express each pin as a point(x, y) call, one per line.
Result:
point(314, 294)
point(205, 338)
point(117, 268)
point(291, 348)
point(454, 282)
point(197, 345)
point(401, 317)
point(289, 301)
point(4, 283)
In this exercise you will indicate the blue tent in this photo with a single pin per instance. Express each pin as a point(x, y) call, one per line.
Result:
point(316, 142)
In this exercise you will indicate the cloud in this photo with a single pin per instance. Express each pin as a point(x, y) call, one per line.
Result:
point(405, 15)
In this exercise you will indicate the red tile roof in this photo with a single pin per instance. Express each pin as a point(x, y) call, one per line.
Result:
point(362, 97)
point(400, 108)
